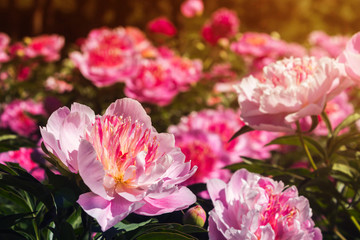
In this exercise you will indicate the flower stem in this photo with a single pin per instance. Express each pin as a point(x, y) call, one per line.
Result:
point(307, 152)
point(355, 222)
point(327, 122)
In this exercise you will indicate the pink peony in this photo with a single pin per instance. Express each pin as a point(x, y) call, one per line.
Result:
point(154, 83)
point(289, 90)
point(162, 25)
point(258, 45)
point(160, 80)
point(142, 44)
point(108, 56)
point(324, 45)
point(254, 207)
point(204, 150)
point(47, 46)
point(4, 43)
point(224, 23)
point(57, 85)
point(224, 123)
point(23, 158)
point(15, 116)
point(192, 8)
point(139, 172)
point(351, 57)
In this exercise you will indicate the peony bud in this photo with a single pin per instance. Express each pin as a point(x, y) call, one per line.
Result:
point(195, 216)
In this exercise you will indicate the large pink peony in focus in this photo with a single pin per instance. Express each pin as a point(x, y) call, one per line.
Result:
point(289, 90)
point(46, 46)
point(351, 57)
point(127, 165)
point(108, 56)
point(252, 207)
point(16, 116)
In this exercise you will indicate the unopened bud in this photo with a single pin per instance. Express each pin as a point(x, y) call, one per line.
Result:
point(195, 216)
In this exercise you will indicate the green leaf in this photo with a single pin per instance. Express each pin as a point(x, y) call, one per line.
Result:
point(66, 231)
point(242, 130)
point(347, 122)
point(132, 226)
point(11, 142)
point(163, 236)
point(9, 220)
point(29, 184)
point(294, 140)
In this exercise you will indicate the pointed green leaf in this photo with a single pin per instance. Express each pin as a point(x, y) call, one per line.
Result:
point(241, 131)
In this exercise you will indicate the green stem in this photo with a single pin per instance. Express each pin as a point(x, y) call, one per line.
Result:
point(327, 122)
point(307, 152)
point(355, 222)
point(36, 230)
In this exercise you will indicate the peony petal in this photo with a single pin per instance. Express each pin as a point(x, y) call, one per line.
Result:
point(215, 188)
point(77, 107)
point(107, 213)
point(128, 107)
point(56, 120)
point(181, 199)
point(88, 163)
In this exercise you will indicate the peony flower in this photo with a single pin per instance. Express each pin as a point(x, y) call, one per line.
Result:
point(254, 207)
point(108, 56)
point(324, 45)
point(224, 23)
point(46, 46)
point(15, 116)
point(192, 8)
point(142, 44)
point(160, 80)
point(23, 158)
point(139, 172)
point(162, 25)
point(258, 45)
point(224, 123)
point(351, 58)
point(154, 83)
point(289, 90)
point(57, 85)
point(205, 150)
point(4, 43)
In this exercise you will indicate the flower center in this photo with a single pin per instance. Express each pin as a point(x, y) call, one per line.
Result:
point(118, 142)
point(256, 40)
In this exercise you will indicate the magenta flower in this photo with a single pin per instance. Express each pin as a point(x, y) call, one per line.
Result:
point(108, 56)
point(23, 158)
point(139, 172)
point(204, 150)
point(154, 83)
point(4, 44)
point(289, 90)
point(162, 25)
point(224, 23)
point(192, 8)
point(142, 44)
point(254, 207)
point(15, 116)
point(351, 57)
point(224, 123)
point(46, 46)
